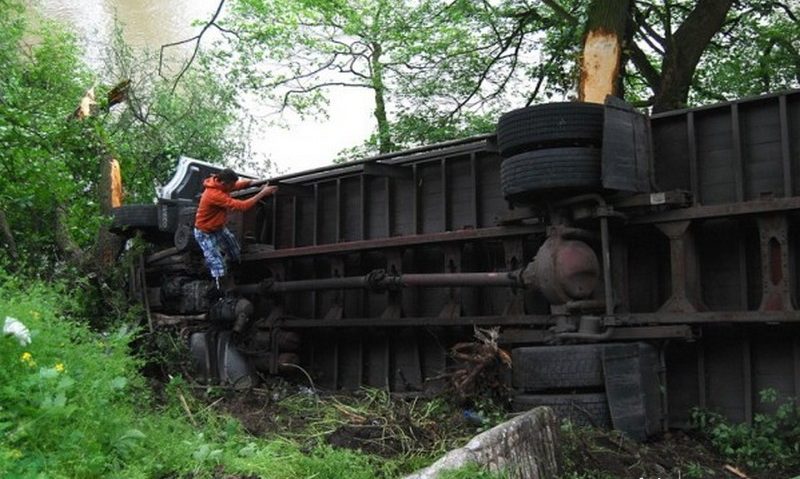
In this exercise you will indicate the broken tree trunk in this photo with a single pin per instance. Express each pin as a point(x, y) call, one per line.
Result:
point(110, 189)
point(107, 245)
point(601, 61)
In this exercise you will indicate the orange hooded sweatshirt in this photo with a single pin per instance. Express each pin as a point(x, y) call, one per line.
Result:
point(212, 213)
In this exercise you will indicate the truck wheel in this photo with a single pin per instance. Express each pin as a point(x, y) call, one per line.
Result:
point(580, 409)
point(548, 125)
point(557, 367)
point(184, 238)
point(131, 217)
point(551, 170)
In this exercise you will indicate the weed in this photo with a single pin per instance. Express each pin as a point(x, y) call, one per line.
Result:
point(772, 441)
point(471, 471)
point(697, 471)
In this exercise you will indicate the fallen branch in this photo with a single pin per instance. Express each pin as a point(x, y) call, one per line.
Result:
point(186, 408)
point(182, 320)
point(736, 472)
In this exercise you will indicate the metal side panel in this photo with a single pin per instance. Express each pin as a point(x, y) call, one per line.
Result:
point(627, 152)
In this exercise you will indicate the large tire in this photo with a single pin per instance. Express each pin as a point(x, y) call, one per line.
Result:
point(580, 409)
point(133, 217)
point(548, 368)
point(183, 239)
point(551, 170)
point(548, 125)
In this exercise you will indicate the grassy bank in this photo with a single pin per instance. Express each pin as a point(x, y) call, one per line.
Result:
point(73, 403)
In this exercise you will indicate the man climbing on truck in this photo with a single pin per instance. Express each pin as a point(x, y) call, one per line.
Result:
point(210, 231)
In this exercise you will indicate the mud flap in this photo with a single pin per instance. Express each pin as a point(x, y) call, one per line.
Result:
point(632, 389)
point(627, 153)
point(233, 368)
point(201, 347)
point(216, 360)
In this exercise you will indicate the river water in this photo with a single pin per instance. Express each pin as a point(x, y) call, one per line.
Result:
point(146, 23)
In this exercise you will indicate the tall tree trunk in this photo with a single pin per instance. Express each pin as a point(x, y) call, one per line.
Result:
point(7, 237)
point(684, 50)
point(601, 61)
point(384, 136)
point(64, 241)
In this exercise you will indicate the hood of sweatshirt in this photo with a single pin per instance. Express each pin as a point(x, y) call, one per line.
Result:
point(214, 183)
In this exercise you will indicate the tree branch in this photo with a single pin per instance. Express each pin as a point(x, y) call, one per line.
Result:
point(648, 71)
point(195, 39)
point(317, 87)
point(561, 12)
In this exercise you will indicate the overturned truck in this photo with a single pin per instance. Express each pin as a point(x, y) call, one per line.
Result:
point(637, 267)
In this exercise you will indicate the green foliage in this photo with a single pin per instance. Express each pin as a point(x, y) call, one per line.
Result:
point(201, 118)
point(445, 69)
point(698, 471)
point(426, 64)
point(50, 160)
point(758, 52)
point(43, 156)
point(772, 441)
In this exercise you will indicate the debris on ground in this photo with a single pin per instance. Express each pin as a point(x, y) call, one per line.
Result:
point(482, 365)
point(369, 420)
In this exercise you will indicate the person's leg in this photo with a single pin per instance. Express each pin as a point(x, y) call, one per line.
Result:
point(230, 245)
point(209, 243)
point(233, 252)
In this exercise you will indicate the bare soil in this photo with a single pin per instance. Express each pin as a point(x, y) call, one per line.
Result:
point(596, 454)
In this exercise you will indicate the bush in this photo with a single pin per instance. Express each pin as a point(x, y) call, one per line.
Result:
point(772, 441)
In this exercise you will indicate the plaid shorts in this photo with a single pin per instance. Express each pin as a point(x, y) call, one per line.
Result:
point(214, 244)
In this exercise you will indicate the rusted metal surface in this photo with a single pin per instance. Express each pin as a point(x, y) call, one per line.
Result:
point(400, 241)
point(776, 294)
point(684, 269)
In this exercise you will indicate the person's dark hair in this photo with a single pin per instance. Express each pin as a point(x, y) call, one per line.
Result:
point(227, 176)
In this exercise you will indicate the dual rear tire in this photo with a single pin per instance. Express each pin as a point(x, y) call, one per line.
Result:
point(550, 149)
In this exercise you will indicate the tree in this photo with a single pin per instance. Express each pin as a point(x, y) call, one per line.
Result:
point(52, 190)
point(679, 51)
point(420, 60)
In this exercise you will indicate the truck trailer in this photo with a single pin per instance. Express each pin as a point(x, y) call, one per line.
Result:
point(635, 267)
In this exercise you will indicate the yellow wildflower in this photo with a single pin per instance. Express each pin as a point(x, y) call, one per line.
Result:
point(15, 454)
point(27, 358)
point(35, 314)
point(60, 367)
